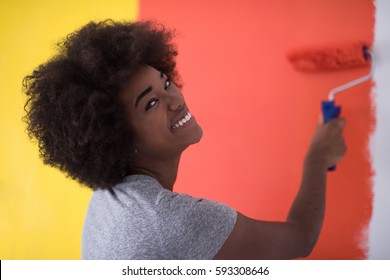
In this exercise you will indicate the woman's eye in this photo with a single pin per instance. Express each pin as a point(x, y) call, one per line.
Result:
point(167, 83)
point(151, 104)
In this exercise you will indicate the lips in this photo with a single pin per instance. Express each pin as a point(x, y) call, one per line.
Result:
point(183, 118)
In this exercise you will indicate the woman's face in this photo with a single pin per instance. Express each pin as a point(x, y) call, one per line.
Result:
point(158, 114)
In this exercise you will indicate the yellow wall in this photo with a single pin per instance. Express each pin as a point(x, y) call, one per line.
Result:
point(41, 211)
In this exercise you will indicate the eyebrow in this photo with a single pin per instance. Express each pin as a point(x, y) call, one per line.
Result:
point(142, 95)
point(146, 91)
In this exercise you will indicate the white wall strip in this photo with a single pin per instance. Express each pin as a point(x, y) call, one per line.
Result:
point(379, 230)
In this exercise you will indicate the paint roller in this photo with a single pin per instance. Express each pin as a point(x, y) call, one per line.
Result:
point(330, 58)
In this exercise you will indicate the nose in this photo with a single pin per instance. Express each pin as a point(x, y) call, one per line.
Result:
point(175, 101)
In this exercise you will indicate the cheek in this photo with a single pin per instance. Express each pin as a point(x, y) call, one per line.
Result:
point(153, 135)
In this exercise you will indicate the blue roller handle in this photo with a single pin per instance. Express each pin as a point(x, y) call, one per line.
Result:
point(330, 111)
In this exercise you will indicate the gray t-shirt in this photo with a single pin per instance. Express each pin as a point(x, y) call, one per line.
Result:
point(139, 219)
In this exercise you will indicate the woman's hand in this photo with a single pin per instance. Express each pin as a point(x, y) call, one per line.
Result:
point(327, 145)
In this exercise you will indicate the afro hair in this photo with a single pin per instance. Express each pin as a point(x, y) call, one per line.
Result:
point(73, 108)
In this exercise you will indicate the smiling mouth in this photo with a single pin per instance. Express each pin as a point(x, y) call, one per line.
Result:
point(187, 118)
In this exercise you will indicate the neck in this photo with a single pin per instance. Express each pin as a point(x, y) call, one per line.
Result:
point(162, 169)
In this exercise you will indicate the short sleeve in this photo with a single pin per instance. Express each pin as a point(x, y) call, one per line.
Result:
point(193, 228)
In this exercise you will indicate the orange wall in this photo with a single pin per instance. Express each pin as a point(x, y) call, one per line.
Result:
point(258, 114)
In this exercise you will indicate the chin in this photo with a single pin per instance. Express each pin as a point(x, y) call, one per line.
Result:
point(198, 135)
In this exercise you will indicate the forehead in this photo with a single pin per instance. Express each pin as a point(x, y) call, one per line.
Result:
point(144, 77)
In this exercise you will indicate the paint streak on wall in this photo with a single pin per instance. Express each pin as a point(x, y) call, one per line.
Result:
point(258, 114)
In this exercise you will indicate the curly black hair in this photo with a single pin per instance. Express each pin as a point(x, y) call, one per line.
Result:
point(73, 108)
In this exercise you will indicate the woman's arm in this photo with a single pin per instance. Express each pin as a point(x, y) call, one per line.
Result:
point(254, 239)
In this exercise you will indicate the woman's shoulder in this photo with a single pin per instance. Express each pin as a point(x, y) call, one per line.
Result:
point(131, 190)
point(138, 183)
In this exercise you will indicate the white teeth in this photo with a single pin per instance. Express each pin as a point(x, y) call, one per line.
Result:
point(185, 119)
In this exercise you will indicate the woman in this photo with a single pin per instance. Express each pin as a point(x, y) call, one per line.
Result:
point(108, 111)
